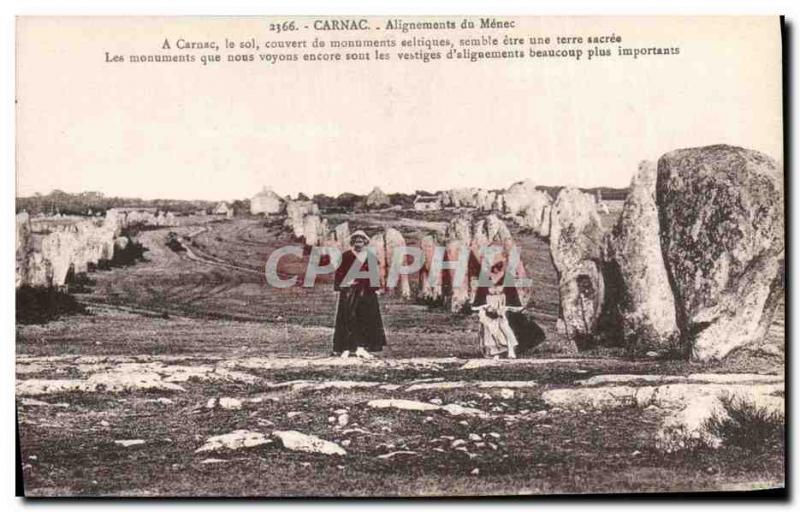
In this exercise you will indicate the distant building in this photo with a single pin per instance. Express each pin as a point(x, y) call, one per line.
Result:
point(427, 203)
point(266, 202)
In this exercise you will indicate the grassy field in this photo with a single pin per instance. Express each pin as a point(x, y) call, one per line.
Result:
point(172, 311)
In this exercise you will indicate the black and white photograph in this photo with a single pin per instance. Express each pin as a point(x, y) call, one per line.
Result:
point(400, 256)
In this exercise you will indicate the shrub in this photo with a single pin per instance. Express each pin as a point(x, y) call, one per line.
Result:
point(40, 305)
point(747, 426)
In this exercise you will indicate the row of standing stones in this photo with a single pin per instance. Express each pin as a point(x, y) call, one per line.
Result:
point(694, 267)
point(66, 246)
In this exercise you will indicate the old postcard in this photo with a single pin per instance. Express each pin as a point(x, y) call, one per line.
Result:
point(399, 256)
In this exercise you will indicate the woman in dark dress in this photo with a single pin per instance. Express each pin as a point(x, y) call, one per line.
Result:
point(359, 328)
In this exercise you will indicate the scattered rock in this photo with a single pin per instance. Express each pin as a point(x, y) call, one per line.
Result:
point(234, 441)
point(411, 405)
point(230, 403)
point(297, 441)
point(394, 454)
point(32, 402)
point(436, 385)
point(506, 393)
point(129, 442)
point(335, 384)
point(459, 410)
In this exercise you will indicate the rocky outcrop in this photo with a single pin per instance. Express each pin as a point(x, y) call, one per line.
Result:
point(721, 215)
point(576, 239)
point(684, 404)
point(647, 307)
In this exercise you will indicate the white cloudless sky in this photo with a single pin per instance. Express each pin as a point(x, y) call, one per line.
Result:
point(224, 131)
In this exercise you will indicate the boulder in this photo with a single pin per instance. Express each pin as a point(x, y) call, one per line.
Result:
point(721, 213)
point(576, 238)
point(537, 213)
point(519, 196)
point(647, 308)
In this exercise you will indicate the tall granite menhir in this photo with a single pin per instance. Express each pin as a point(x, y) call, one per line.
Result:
point(646, 306)
point(721, 213)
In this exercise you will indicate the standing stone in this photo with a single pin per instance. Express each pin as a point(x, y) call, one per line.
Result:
point(518, 196)
point(537, 214)
point(647, 307)
point(430, 290)
point(378, 246)
point(722, 235)
point(342, 236)
point(394, 241)
point(576, 237)
point(24, 248)
point(311, 229)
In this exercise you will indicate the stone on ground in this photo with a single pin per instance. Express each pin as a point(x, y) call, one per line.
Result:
point(233, 441)
point(409, 405)
point(297, 441)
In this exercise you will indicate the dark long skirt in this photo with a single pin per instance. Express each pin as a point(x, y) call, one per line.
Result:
point(358, 321)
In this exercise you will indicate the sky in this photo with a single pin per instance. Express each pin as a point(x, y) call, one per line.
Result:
point(225, 131)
